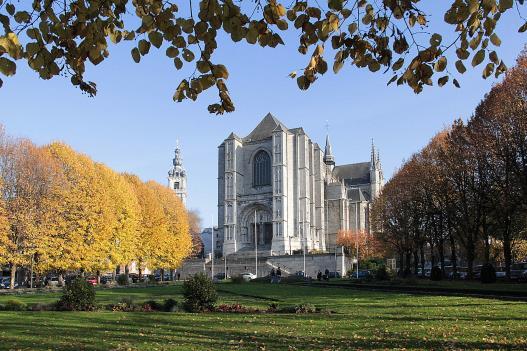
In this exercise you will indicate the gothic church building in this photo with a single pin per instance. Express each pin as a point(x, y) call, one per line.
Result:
point(279, 192)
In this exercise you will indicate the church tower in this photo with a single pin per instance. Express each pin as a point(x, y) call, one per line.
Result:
point(376, 176)
point(329, 159)
point(177, 177)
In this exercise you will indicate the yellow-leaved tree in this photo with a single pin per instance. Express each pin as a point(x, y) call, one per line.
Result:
point(5, 243)
point(152, 226)
point(176, 244)
point(83, 226)
point(124, 214)
point(30, 181)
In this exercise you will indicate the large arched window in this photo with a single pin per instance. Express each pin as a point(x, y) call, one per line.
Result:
point(262, 169)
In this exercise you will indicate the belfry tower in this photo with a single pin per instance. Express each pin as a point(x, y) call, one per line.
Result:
point(177, 177)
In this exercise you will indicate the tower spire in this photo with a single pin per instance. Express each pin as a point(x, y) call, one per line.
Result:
point(373, 157)
point(329, 159)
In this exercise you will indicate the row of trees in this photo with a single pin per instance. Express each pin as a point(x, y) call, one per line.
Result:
point(61, 211)
point(464, 196)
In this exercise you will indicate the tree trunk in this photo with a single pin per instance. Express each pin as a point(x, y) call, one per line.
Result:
point(408, 266)
point(441, 251)
point(470, 258)
point(453, 254)
point(13, 276)
point(127, 272)
point(507, 252)
point(162, 274)
point(416, 262)
point(422, 249)
point(61, 279)
point(401, 263)
point(98, 277)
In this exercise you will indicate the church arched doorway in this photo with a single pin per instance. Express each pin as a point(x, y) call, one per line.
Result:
point(257, 227)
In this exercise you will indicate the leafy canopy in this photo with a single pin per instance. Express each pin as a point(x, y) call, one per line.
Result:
point(58, 37)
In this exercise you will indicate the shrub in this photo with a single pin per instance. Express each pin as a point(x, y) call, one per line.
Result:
point(236, 308)
point(305, 308)
point(170, 305)
point(436, 274)
point(153, 305)
point(42, 307)
point(78, 295)
point(488, 273)
point(122, 279)
point(382, 273)
point(238, 279)
point(15, 305)
point(199, 293)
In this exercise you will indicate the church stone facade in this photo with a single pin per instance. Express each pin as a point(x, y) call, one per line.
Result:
point(279, 192)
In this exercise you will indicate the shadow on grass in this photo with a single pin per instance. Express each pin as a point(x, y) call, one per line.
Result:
point(147, 331)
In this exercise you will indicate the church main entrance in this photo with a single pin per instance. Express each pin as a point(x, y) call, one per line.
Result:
point(264, 234)
point(257, 228)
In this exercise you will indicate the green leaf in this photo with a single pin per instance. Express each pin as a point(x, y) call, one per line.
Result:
point(144, 47)
point(172, 52)
point(442, 81)
point(495, 40)
point(188, 55)
point(337, 65)
point(489, 69)
point(505, 5)
point(22, 17)
point(220, 71)
point(440, 64)
point(460, 67)
point(523, 28)
point(178, 63)
point(136, 55)
point(156, 39)
point(7, 67)
point(478, 58)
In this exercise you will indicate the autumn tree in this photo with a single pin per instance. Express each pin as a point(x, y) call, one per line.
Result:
point(367, 244)
point(62, 38)
point(194, 220)
point(83, 227)
point(30, 184)
point(124, 212)
point(175, 243)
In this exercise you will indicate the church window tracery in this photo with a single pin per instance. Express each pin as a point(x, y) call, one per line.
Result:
point(262, 169)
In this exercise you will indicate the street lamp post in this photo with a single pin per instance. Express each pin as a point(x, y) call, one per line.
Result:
point(255, 246)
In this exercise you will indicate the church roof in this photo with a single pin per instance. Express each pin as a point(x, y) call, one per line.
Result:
point(265, 128)
point(353, 174)
point(357, 194)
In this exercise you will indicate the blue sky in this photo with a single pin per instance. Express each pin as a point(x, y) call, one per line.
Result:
point(133, 124)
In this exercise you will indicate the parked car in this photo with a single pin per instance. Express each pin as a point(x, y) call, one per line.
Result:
point(52, 281)
point(5, 283)
point(134, 277)
point(334, 275)
point(92, 280)
point(363, 274)
point(106, 279)
point(248, 276)
point(519, 271)
point(219, 276)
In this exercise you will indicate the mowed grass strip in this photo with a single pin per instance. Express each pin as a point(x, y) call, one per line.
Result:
point(364, 319)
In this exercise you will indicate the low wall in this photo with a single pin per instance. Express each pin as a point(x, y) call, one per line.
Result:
point(289, 264)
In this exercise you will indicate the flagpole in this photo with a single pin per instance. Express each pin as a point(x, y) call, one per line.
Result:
point(255, 245)
point(357, 228)
point(212, 249)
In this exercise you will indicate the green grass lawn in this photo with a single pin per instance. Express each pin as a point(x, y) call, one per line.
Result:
point(498, 287)
point(365, 319)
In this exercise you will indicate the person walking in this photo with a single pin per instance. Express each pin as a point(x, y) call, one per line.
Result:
point(278, 274)
point(273, 276)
